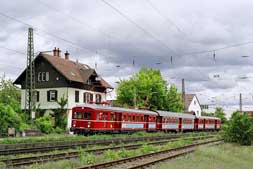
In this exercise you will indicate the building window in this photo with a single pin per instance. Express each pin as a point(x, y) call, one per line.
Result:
point(52, 95)
point(76, 96)
point(43, 76)
point(37, 96)
point(39, 77)
point(98, 98)
point(194, 102)
point(87, 97)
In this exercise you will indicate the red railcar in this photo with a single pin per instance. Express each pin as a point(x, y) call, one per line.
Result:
point(208, 123)
point(171, 121)
point(91, 118)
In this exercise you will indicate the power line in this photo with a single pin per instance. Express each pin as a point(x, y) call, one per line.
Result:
point(13, 50)
point(138, 26)
point(46, 32)
point(165, 17)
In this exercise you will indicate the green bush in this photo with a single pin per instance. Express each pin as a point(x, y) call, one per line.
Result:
point(58, 130)
point(8, 119)
point(44, 124)
point(239, 129)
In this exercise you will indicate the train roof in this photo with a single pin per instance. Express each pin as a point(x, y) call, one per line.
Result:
point(116, 109)
point(208, 117)
point(174, 114)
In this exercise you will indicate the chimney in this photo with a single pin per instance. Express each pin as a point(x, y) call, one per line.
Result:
point(66, 55)
point(55, 52)
point(58, 52)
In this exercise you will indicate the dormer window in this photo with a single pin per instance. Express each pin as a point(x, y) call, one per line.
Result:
point(43, 76)
point(89, 82)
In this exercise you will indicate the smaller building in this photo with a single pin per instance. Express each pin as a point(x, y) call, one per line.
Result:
point(192, 104)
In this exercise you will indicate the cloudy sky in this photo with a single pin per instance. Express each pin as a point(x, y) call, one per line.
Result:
point(114, 32)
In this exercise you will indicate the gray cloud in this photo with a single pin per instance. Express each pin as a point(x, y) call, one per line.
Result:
point(112, 40)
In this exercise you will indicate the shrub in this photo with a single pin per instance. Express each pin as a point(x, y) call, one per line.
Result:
point(8, 119)
point(44, 124)
point(239, 129)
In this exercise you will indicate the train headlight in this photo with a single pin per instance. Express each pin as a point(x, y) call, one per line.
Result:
point(74, 125)
point(89, 124)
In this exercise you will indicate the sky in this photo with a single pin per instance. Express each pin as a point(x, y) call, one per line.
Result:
point(113, 33)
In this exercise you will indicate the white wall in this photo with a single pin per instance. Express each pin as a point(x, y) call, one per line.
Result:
point(194, 106)
point(64, 91)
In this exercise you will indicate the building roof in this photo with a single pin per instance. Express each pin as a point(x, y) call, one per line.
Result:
point(116, 109)
point(188, 99)
point(174, 114)
point(72, 71)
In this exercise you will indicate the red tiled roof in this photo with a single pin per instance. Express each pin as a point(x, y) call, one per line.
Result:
point(72, 71)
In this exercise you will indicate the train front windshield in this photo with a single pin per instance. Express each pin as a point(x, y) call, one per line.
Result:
point(81, 115)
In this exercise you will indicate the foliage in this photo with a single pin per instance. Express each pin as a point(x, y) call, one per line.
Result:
point(174, 100)
point(10, 94)
point(220, 114)
point(44, 124)
point(207, 114)
point(60, 114)
point(9, 119)
point(239, 129)
point(148, 89)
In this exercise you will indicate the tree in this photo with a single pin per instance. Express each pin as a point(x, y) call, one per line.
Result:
point(174, 100)
point(220, 114)
point(149, 90)
point(10, 94)
point(8, 119)
point(239, 129)
point(60, 114)
point(147, 87)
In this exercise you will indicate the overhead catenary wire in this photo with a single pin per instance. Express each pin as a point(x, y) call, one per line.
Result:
point(149, 34)
point(48, 33)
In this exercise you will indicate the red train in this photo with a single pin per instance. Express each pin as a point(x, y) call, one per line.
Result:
point(92, 118)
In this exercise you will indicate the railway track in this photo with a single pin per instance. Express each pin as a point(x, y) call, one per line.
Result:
point(146, 160)
point(51, 146)
point(17, 162)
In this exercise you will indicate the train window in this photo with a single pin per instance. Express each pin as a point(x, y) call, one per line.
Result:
point(129, 118)
point(111, 117)
point(97, 116)
point(133, 118)
point(78, 115)
point(137, 118)
point(142, 119)
point(87, 115)
point(104, 117)
point(124, 117)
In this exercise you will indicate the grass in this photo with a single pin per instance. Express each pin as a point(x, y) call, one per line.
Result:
point(226, 156)
point(65, 137)
point(88, 158)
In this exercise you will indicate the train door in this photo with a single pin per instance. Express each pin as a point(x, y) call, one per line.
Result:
point(196, 122)
point(159, 123)
point(105, 121)
point(146, 120)
point(215, 124)
point(180, 124)
point(118, 121)
point(204, 126)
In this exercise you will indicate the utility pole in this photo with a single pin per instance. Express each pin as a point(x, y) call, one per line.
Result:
point(183, 94)
point(240, 102)
point(30, 75)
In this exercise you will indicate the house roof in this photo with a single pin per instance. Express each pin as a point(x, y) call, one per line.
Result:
point(72, 71)
point(188, 99)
